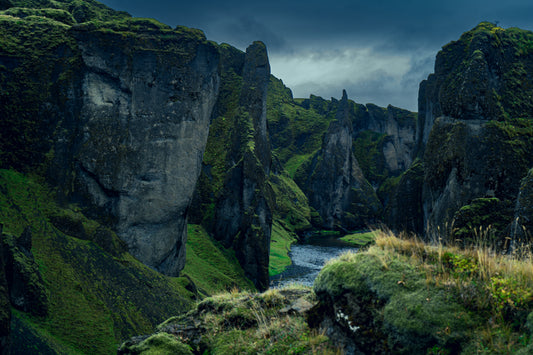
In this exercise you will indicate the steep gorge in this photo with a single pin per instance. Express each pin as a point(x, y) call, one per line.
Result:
point(140, 129)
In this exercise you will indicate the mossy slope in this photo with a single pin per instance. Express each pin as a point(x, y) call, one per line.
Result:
point(212, 267)
point(96, 297)
point(405, 297)
point(241, 323)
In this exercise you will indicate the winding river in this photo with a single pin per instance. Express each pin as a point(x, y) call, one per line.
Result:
point(308, 258)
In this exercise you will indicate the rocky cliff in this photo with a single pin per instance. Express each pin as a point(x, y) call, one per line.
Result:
point(143, 126)
point(327, 145)
point(398, 130)
point(474, 126)
point(120, 110)
point(114, 113)
point(233, 187)
point(335, 185)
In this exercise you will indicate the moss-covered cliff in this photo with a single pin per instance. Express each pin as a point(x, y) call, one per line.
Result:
point(233, 199)
point(113, 112)
point(475, 132)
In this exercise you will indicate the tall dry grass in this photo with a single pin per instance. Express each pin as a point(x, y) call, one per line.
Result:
point(483, 278)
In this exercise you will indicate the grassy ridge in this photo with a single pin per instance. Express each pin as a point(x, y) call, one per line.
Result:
point(241, 323)
point(417, 298)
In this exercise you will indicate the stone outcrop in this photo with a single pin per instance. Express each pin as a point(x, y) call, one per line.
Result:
point(233, 198)
point(398, 125)
point(243, 216)
point(145, 104)
point(335, 184)
point(469, 133)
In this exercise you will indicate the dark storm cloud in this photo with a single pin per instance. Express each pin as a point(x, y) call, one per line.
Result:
point(316, 46)
point(245, 30)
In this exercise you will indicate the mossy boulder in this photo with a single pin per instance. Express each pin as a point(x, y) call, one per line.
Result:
point(374, 304)
point(272, 322)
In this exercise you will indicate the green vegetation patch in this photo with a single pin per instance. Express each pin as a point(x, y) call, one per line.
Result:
point(294, 130)
point(415, 316)
point(244, 323)
point(360, 239)
point(158, 344)
point(95, 299)
point(410, 297)
point(212, 267)
point(36, 50)
point(368, 150)
point(280, 246)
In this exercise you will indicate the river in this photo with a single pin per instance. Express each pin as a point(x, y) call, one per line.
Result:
point(308, 258)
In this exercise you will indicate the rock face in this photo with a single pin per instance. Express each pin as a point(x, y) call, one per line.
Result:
point(120, 110)
point(478, 77)
point(404, 211)
point(142, 130)
point(398, 125)
point(233, 198)
point(469, 129)
point(336, 186)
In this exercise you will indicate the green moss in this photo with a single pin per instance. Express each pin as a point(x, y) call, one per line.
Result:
point(95, 299)
point(482, 222)
point(294, 130)
point(507, 51)
point(32, 338)
point(292, 207)
point(368, 150)
point(415, 315)
point(54, 14)
point(212, 267)
point(244, 323)
point(158, 344)
point(280, 246)
point(360, 239)
point(40, 48)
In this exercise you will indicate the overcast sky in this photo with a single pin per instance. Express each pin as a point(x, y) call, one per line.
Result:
point(378, 50)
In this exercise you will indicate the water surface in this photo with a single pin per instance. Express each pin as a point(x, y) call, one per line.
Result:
point(308, 258)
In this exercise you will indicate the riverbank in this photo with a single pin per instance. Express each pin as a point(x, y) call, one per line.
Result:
point(282, 254)
point(399, 296)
